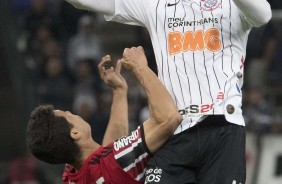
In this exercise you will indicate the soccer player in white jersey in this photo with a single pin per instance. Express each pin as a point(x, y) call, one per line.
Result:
point(200, 49)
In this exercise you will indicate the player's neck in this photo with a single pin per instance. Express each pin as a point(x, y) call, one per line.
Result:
point(85, 151)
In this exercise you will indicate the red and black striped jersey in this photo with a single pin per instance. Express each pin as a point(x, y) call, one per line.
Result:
point(123, 161)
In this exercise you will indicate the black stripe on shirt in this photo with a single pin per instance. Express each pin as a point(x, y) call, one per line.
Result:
point(144, 141)
point(105, 152)
point(194, 60)
point(214, 61)
point(204, 55)
point(230, 35)
point(167, 58)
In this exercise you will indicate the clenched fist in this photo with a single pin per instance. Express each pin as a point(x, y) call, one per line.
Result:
point(134, 59)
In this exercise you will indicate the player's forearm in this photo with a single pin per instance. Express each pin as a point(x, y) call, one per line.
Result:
point(162, 107)
point(164, 115)
point(105, 7)
point(118, 123)
point(257, 12)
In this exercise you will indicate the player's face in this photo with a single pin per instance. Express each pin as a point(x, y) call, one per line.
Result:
point(77, 122)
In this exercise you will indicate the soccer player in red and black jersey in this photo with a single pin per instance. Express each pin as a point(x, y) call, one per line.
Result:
point(56, 136)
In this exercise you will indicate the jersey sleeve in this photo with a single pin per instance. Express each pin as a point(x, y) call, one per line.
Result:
point(256, 12)
point(132, 12)
point(132, 153)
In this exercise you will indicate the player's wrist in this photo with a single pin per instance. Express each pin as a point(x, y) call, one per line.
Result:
point(120, 89)
point(139, 71)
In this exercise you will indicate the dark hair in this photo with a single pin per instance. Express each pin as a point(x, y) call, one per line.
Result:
point(48, 137)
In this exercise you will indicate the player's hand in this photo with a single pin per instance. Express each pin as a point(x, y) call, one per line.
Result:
point(110, 75)
point(134, 59)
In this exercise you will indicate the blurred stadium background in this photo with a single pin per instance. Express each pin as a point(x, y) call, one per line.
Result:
point(49, 53)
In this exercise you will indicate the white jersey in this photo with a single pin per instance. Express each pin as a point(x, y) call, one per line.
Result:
point(200, 47)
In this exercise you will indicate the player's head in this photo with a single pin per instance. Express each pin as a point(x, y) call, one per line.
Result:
point(53, 135)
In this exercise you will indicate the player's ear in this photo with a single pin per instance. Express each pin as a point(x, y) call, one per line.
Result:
point(75, 134)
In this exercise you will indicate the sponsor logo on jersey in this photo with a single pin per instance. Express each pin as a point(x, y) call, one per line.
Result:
point(153, 175)
point(125, 141)
point(198, 110)
point(174, 22)
point(194, 41)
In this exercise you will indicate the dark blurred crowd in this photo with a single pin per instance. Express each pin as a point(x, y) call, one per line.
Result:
point(262, 102)
point(62, 48)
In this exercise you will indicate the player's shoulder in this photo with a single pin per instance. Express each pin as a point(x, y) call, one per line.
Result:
point(102, 154)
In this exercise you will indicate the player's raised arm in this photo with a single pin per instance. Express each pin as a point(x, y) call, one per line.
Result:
point(105, 7)
point(164, 114)
point(118, 123)
point(257, 12)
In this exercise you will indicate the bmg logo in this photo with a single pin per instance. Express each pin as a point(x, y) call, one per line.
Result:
point(153, 175)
